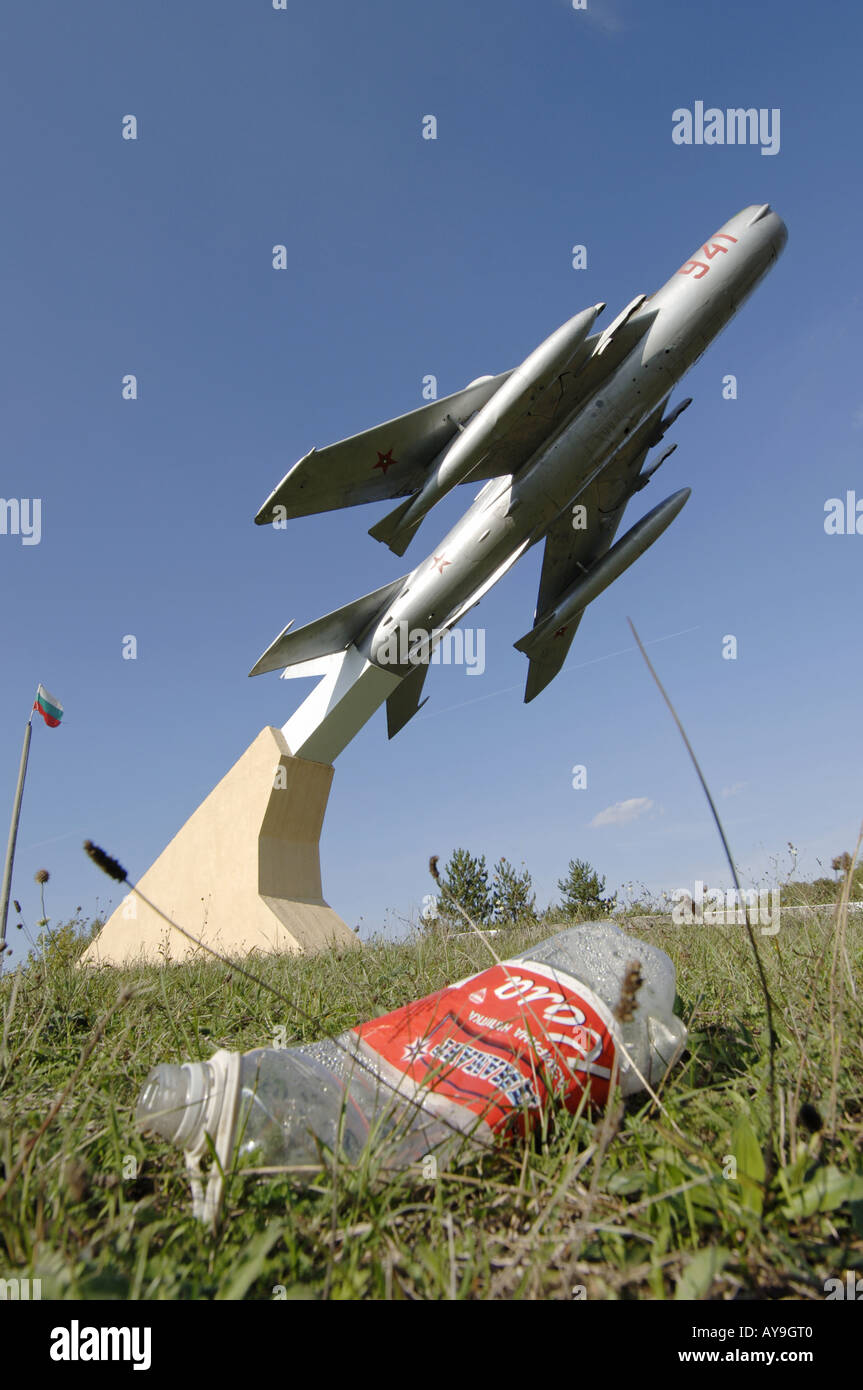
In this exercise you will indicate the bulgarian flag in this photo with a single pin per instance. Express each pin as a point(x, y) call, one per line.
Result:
point(49, 707)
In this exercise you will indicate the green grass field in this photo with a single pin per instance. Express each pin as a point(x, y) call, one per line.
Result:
point(640, 1203)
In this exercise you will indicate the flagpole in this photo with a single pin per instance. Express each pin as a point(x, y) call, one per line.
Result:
point(13, 835)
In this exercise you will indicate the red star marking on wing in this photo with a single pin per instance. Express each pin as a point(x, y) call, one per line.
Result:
point(440, 562)
point(385, 461)
point(561, 630)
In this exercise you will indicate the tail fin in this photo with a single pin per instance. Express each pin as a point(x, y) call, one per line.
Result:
point(326, 635)
point(389, 529)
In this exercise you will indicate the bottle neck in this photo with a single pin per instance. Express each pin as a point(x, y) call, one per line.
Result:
point(204, 1095)
point(216, 1119)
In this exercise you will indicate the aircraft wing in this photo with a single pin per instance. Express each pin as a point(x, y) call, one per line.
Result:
point(389, 460)
point(392, 459)
point(569, 553)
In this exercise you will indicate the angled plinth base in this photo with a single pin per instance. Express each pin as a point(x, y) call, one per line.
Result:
point(242, 875)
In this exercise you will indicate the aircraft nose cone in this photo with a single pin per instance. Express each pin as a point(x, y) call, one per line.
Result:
point(778, 229)
point(780, 235)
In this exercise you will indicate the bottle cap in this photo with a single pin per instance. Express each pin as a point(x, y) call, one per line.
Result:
point(189, 1104)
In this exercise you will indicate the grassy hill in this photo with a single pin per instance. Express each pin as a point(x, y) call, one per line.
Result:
point(639, 1203)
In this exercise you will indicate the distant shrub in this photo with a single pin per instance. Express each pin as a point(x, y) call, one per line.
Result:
point(61, 946)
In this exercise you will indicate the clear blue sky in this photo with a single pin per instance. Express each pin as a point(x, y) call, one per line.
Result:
point(409, 257)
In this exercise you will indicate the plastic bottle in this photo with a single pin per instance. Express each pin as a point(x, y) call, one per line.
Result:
point(474, 1063)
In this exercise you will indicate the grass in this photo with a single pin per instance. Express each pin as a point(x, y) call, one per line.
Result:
point(642, 1203)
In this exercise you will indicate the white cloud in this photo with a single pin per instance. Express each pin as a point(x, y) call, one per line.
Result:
point(734, 788)
point(622, 812)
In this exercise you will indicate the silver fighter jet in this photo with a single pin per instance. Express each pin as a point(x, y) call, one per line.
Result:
point(560, 444)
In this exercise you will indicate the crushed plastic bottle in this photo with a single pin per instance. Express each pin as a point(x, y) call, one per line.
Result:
point(476, 1062)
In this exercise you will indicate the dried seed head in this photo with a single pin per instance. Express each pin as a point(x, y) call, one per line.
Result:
point(433, 868)
point(41, 875)
point(105, 862)
point(624, 1009)
point(809, 1118)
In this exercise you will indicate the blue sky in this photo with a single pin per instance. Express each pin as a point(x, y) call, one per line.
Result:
point(409, 257)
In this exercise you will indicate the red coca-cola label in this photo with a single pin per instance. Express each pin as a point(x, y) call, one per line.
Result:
point(503, 1042)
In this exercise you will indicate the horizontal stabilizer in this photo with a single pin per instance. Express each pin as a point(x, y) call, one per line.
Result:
point(389, 529)
point(404, 702)
point(332, 633)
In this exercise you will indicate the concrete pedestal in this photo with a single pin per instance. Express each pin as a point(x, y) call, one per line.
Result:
point(242, 875)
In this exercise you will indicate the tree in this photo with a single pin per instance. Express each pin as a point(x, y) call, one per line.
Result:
point(582, 891)
point(465, 880)
point(512, 895)
point(843, 865)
